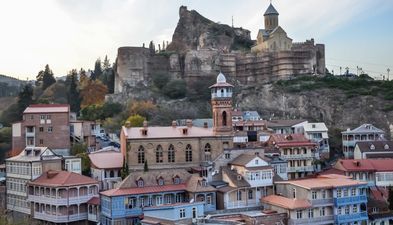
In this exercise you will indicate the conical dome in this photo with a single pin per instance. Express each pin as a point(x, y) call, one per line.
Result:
point(270, 10)
point(221, 78)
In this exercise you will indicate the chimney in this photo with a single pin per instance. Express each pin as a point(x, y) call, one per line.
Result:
point(205, 125)
point(174, 123)
point(50, 174)
point(189, 123)
point(127, 124)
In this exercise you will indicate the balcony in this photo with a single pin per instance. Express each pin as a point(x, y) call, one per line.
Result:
point(30, 134)
point(60, 218)
point(322, 202)
point(348, 218)
point(296, 156)
point(92, 217)
point(350, 200)
point(316, 220)
point(350, 143)
point(59, 201)
point(300, 169)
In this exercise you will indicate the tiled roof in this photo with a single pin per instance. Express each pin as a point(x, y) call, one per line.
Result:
point(243, 159)
point(233, 177)
point(364, 129)
point(94, 201)
point(380, 146)
point(167, 132)
point(288, 140)
point(313, 127)
point(31, 154)
point(325, 181)
point(106, 159)
point(145, 190)
point(48, 108)
point(250, 123)
point(378, 165)
point(332, 171)
point(237, 113)
point(286, 203)
point(283, 123)
point(194, 184)
point(62, 179)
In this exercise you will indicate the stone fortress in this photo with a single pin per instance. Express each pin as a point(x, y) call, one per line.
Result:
point(202, 48)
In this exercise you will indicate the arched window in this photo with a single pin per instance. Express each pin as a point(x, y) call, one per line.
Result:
point(140, 182)
point(111, 174)
point(171, 154)
point(141, 154)
point(188, 153)
point(160, 181)
point(159, 154)
point(224, 118)
point(208, 156)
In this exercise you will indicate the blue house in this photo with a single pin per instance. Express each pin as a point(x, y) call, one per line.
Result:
point(159, 195)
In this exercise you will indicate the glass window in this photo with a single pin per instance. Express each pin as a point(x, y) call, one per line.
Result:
point(347, 209)
point(355, 209)
point(182, 213)
point(322, 212)
point(141, 155)
point(314, 195)
point(171, 154)
point(299, 214)
point(188, 153)
point(239, 195)
point(338, 193)
point(353, 192)
point(250, 194)
point(311, 213)
point(140, 183)
point(159, 154)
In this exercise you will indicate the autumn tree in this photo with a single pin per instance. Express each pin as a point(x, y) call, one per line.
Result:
point(93, 93)
point(136, 120)
point(83, 78)
point(143, 108)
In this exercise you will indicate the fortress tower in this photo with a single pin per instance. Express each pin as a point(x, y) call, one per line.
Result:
point(222, 106)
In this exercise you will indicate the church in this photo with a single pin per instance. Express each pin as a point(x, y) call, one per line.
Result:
point(188, 147)
point(273, 38)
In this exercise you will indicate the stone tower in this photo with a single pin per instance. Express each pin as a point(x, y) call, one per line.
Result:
point(271, 18)
point(222, 106)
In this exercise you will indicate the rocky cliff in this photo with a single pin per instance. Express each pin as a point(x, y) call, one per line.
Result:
point(194, 31)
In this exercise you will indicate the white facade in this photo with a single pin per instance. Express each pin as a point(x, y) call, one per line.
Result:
point(108, 178)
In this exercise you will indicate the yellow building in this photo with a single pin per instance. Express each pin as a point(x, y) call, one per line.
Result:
point(273, 38)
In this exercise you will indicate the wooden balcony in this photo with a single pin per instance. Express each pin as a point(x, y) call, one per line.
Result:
point(60, 218)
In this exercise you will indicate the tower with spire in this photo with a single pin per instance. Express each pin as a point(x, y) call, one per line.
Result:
point(271, 18)
point(221, 99)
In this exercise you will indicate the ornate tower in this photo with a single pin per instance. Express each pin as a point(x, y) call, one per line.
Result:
point(222, 106)
point(271, 18)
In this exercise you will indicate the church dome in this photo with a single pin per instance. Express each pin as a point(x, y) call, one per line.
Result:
point(270, 10)
point(221, 78)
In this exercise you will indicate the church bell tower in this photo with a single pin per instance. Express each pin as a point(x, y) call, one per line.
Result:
point(221, 94)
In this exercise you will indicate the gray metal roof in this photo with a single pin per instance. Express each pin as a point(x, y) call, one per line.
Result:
point(364, 129)
point(271, 10)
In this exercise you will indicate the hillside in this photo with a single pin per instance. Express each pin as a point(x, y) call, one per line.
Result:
point(11, 81)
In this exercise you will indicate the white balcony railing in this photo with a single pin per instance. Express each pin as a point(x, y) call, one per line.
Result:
point(92, 217)
point(60, 218)
point(239, 204)
point(315, 220)
point(317, 202)
point(59, 201)
point(300, 169)
point(295, 156)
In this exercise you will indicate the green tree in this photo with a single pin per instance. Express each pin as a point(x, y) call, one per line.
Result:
point(124, 170)
point(97, 70)
point(160, 80)
point(47, 77)
point(25, 98)
point(136, 120)
point(175, 89)
point(145, 167)
point(78, 148)
point(73, 95)
point(86, 164)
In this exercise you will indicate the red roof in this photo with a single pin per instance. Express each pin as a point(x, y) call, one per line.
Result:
point(106, 159)
point(286, 203)
point(378, 165)
point(145, 190)
point(49, 105)
point(62, 179)
point(332, 171)
point(289, 140)
point(94, 201)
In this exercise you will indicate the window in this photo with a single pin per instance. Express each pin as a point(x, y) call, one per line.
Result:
point(354, 209)
point(160, 181)
point(250, 194)
point(311, 213)
point(194, 212)
point(323, 194)
point(41, 129)
point(209, 199)
point(41, 141)
point(256, 162)
point(322, 211)
point(42, 119)
point(239, 195)
point(208, 156)
point(158, 200)
point(353, 191)
point(347, 209)
point(314, 195)
point(131, 203)
point(140, 183)
point(32, 117)
point(224, 119)
point(159, 154)
point(171, 154)
point(299, 214)
point(188, 153)
point(305, 151)
point(361, 190)
point(176, 180)
point(293, 192)
point(339, 211)
point(182, 213)
point(345, 192)
point(227, 155)
point(50, 129)
point(178, 198)
point(142, 202)
point(338, 193)
point(141, 155)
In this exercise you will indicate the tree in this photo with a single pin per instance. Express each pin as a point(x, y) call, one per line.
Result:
point(142, 108)
point(73, 96)
point(86, 164)
point(145, 167)
point(160, 80)
point(124, 170)
point(106, 65)
point(47, 77)
point(83, 78)
point(390, 198)
point(97, 70)
point(25, 98)
point(175, 89)
point(136, 120)
point(93, 93)
point(78, 148)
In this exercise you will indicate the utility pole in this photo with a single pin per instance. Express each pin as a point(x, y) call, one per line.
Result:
point(388, 73)
point(340, 71)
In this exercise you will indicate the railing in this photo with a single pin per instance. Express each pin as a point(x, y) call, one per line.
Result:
point(237, 204)
point(315, 220)
point(300, 169)
point(350, 143)
point(347, 218)
point(295, 156)
point(60, 218)
point(30, 134)
point(59, 201)
point(92, 217)
point(318, 202)
point(350, 200)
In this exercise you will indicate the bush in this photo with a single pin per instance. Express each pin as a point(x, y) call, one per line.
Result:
point(175, 89)
point(160, 80)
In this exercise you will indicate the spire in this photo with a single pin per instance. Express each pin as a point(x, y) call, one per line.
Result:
point(271, 10)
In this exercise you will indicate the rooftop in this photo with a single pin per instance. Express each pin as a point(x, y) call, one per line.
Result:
point(313, 127)
point(31, 154)
point(380, 146)
point(106, 159)
point(378, 165)
point(167, 132)
point(287, 203)
point(283, 140)
point(364, 129)
point(270, 10)
point(47, 108)
point(284, 123)
point(56, 178)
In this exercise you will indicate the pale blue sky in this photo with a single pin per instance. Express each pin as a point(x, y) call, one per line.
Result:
point(70, 34)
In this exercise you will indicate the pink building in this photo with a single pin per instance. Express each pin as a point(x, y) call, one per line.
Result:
point(61, 196)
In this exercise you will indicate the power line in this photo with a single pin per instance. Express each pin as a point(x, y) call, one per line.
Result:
point(356, 61)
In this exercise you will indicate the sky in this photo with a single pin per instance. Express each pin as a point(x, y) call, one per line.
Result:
point(68, 34)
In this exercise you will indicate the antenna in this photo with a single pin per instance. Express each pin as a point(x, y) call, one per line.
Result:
point(232, 21)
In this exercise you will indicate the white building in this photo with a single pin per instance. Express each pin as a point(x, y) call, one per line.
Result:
point(318, 133)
